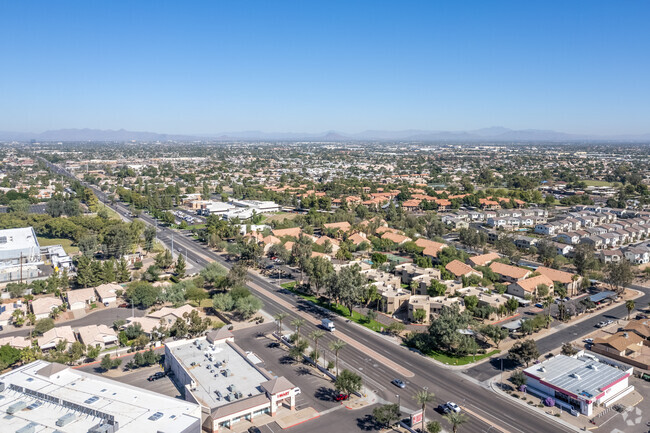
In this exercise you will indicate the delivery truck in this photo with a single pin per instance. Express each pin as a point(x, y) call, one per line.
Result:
point(328, 324)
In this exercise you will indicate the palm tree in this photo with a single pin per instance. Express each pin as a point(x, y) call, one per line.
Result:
point(298, 323)
point(279, 318)
point(336, 346)
point(315, 336)
point(630, 306)
point(455, 419)
point(422, 398)
point(548, 301)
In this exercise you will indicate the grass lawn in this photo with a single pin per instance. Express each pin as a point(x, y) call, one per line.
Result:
point(336, 308)
point(463, 360)
point(597, 183)
point(65, 243)
point(280, 216)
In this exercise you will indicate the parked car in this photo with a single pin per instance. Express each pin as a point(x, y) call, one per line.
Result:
point(274, 344)
point(589, 340)
point(124, 305)
point(297, 391)
point(539, 305)
point(254, 430)
point(398, 382)
point(342, 397)
point(156, 376)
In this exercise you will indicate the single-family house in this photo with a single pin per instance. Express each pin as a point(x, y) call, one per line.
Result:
point(509, 273)
point(529, 286)
point(80, 298)
point(97, 335)
point(42, 307)
point(107, 293)
point(51, 338)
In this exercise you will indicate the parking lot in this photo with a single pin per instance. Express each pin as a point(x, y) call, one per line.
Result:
point(137, 377)
point(316, 391)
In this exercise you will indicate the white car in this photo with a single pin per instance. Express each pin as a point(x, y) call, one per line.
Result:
point(452, 406)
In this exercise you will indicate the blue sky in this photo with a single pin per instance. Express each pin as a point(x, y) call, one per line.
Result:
point(311, 66)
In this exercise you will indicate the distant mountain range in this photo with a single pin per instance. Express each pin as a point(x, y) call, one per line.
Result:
point(493, 134)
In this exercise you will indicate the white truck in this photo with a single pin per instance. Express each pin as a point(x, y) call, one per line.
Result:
point(328, 324)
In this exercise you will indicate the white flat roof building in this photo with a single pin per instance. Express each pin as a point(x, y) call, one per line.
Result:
point(17, 242)
point(227, 382)
point(72, 401)
point(579, 382)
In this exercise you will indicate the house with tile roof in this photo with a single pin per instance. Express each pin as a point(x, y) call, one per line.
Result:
point(460, 269)
point(483, 259)
point(529, 286)
point(509, 273)
point(571, 282)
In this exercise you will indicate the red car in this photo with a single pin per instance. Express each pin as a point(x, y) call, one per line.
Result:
point(342, 397)
point(125, 305)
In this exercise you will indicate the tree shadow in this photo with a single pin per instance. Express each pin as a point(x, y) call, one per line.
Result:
point(287, 360)
point(367, 423)
point(325, 394)
point(303, 371)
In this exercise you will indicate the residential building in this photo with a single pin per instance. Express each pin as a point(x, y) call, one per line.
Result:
point(571, 282)
point(509, 273)
point(529, 286)
point(107, 293)
point(51, 338)
point(460, 269)
point(42, 307)
point(79, 299)
point(97, 335)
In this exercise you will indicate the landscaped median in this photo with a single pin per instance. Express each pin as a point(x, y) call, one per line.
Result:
point(336, 308)
point(459, 360)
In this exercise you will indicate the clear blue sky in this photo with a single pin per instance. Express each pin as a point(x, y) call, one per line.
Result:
point(310, 66)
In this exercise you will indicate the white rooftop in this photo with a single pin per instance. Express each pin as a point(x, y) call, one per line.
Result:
point(194, 356)
point(583, 377)
point(91, 398)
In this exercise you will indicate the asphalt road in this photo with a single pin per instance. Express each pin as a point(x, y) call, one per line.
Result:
point(480, 403)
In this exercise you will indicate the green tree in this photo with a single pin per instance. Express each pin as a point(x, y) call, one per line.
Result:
point(518, 378)
point(143, 294)
point(568, 349)
point(336, 347)
point(247, 306)
point(318, 270)
point(180, 266)
point(494, 333)
point(386, 415)
point(315, 336)
point(223, 302)
point(423, 397)
point(618, 275)
point(43, 325)
point(434, 427)
point(298, 323)
point(348, 382)
point(419, 315)
point(122, 273)
point(164, 259)
point(106, 363)
point(455, 420)
point(629, 306)
point(279, 318)
point(524, 351)
point(149, 238)
point(8, 356)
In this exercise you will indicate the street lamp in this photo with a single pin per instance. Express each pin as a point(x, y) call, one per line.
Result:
point(399, 402)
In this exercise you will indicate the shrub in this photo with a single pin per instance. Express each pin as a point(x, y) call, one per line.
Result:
point(549, 401)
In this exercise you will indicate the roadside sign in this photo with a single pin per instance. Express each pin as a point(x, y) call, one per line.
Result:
point(416, 418)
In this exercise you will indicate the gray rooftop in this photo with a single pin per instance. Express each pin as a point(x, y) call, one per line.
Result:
point(211, 378)
point(583, 377)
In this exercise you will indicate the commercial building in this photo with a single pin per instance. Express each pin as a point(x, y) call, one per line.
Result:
point(229, 384)
point(61, 399)
point(578, 382)
point(20, 254)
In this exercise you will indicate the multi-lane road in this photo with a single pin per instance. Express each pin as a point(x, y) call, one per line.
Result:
point(487, 411)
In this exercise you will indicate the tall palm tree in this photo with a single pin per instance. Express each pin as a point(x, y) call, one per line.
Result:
point(630, 306)
point(455, 419)
point(298, 323)
point(336, 346)
point(422, 398)
point(279, 318)
point(315, 336)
